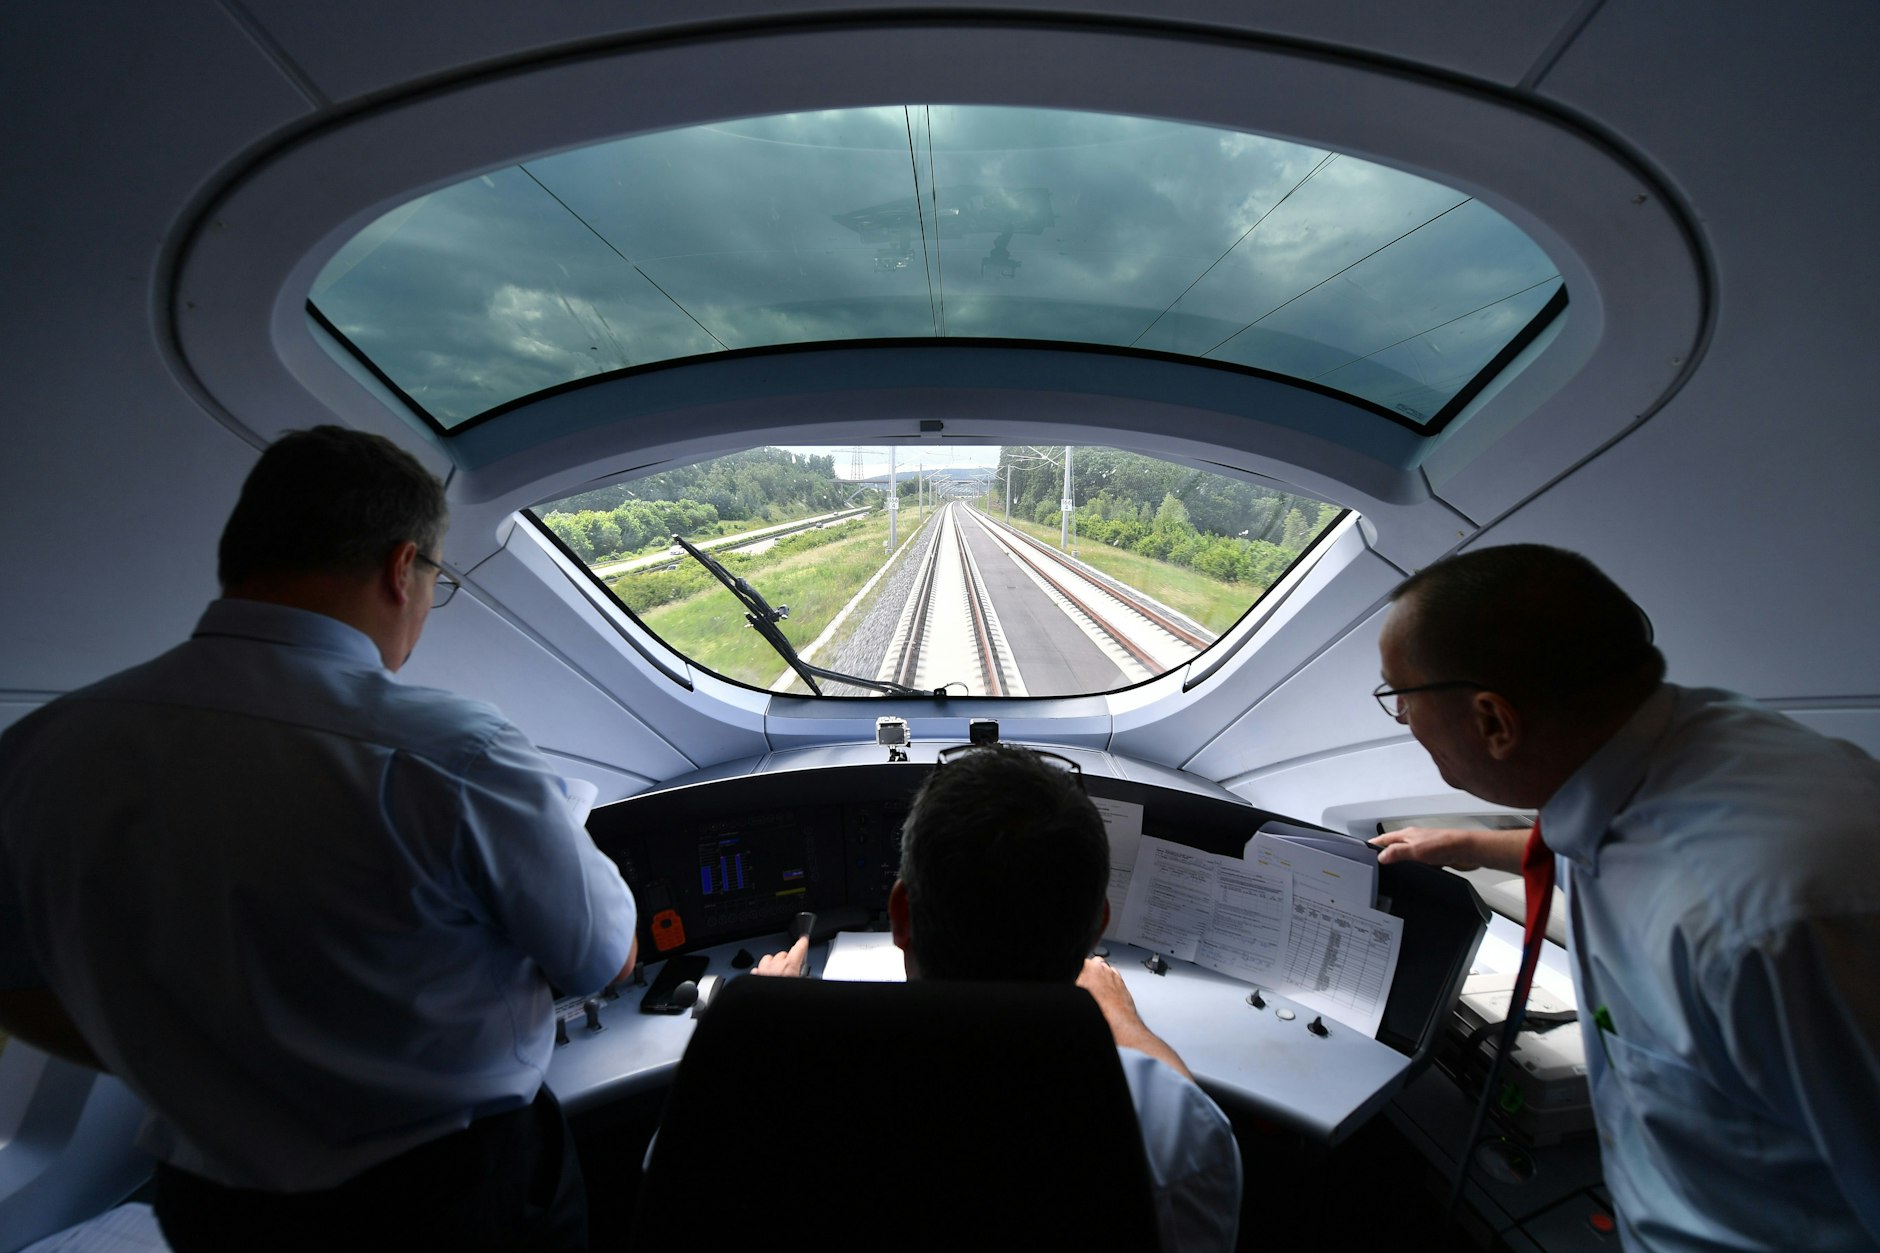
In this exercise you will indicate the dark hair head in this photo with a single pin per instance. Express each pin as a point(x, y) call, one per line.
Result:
point(330, 499)
point(1542, 626)
point(1006, 864)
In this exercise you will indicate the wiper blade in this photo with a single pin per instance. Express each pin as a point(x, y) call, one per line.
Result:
point(764, 620)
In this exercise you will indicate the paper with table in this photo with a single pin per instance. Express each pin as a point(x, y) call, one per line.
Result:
point(1295, 914)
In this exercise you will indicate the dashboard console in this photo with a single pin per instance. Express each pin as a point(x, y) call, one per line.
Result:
point(722, 863)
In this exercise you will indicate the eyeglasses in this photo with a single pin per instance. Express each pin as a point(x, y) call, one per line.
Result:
point(1395, 711)
point(1049, 758)
point(445, 587)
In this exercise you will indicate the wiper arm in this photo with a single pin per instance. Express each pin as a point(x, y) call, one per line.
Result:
point(764, 620)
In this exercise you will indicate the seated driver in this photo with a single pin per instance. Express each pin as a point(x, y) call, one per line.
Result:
point(1004, 868)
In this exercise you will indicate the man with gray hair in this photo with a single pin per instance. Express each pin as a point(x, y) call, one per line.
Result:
point(308, 914)
point(1723, 874)
point(1004, 869)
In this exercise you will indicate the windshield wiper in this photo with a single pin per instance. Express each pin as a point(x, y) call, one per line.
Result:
point(764, 620)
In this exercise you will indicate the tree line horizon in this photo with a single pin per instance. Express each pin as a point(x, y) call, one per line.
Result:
point(1225, 528)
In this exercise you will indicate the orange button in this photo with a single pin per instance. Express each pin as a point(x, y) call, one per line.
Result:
point(668, 930)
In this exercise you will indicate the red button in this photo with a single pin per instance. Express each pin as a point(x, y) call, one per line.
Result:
point(1601, 1222)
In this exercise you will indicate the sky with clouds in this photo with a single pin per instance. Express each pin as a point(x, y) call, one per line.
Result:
point(917, 221)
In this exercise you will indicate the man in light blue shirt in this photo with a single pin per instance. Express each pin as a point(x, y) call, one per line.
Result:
point(309, 914)
point(1004, 867)
point(1722, 868)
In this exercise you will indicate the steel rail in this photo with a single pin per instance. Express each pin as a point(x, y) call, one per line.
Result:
point(923, 591)
point(1103, 624)
point(988, 660)
point(1148, 611)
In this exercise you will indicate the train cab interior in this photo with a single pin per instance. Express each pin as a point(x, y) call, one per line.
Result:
point(1130, 353)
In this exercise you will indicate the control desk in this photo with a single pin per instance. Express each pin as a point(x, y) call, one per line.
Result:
point(724, 861)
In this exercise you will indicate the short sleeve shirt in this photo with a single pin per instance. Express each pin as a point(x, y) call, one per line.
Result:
point(311, 915)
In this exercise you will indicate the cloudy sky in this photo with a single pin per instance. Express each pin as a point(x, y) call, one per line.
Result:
point(906, 460)
point(918, 221)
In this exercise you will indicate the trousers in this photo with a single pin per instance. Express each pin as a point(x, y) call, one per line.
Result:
point(508, 1181)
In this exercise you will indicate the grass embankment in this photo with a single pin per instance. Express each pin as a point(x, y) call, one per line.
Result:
point(1212, 603)
point(816, 582)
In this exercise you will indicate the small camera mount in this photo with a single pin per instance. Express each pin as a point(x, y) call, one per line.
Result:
point(891, 734)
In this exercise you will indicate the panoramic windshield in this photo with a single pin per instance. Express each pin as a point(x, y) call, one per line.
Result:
point(939, 222)
point(1015, 571)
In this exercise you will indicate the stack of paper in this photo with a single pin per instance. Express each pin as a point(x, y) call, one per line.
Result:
point(1295, 914)
point(864, 957)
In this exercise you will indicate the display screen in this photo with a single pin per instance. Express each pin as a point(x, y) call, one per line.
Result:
point(752, 862)
point(725, 867)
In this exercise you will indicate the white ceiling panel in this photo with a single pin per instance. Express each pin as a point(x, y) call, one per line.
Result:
point(357, 47)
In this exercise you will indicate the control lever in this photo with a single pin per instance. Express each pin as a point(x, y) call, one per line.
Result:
point(677, 973)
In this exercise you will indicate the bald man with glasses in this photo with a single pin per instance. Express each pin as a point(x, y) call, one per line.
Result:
point(309, 914)
point(1722, 864)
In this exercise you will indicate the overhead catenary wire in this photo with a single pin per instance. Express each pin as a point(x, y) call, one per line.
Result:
point(1323, 161)
point(609, 245)
point(933, 195)
point(928, 260)
point(1334, 274)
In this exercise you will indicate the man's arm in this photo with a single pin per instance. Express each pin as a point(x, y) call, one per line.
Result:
point(36, 1016)
point(537, 872)
point(1464, 848)
point(1100, 979)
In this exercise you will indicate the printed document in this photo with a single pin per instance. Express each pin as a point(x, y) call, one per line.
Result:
point(864, 957)
point(1224, 913)
point(1341, 954)
point(1122, 822)
point(1293, 917)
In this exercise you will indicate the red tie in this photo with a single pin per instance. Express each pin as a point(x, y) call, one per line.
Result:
point(1537, 873)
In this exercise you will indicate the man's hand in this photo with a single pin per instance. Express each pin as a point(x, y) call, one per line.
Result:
point(1100, 979)
point(1464, 848)
point(1111, 994)
point(792, 963)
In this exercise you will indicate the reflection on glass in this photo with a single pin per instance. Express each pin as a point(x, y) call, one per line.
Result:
point(956, 572)
point(936, 221)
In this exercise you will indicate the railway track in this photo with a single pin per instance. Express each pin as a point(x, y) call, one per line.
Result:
point(951, 632)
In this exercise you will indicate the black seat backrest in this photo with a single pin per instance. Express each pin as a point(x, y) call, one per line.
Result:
point(926, 1115)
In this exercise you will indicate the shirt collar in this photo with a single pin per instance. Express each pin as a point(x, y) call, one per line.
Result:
point(1577, 820)
point(281, 624)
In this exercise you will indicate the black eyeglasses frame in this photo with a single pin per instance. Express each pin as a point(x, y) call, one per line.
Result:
point(956, 751)
point(445, 587)
point(1396, 715)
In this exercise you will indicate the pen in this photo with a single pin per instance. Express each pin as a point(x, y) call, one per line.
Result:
point(1602, 1018)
